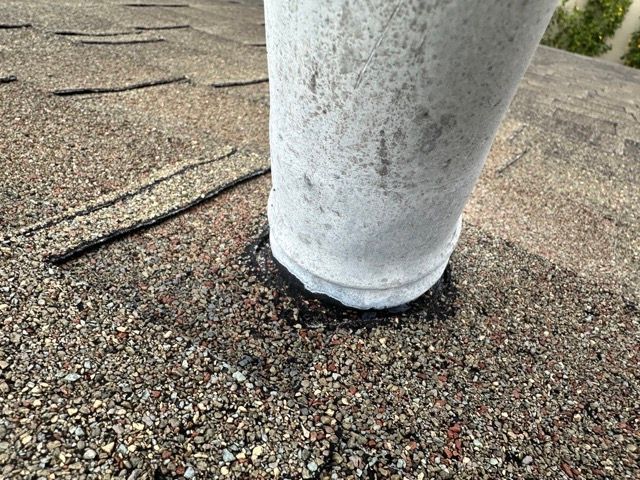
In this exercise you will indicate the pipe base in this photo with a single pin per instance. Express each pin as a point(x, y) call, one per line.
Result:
point(364, 298)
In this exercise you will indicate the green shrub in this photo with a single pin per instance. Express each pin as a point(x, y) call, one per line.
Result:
point(586, 30)
point(632, 57)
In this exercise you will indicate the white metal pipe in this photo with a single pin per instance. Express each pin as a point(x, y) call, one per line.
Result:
point(382, 114)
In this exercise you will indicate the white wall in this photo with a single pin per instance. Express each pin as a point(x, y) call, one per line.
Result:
point(620, 41)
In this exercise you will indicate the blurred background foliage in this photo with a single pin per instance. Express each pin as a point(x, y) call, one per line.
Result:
point(586, 29)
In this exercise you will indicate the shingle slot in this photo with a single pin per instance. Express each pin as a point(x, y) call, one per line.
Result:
point(65, 92)
point(509, 163)
point(94, 34)
point(167, 5)
point(163, 27)
point(8, 26)
point(121, 42)
point(126, 195)
point(239, 83)
point(114, 235)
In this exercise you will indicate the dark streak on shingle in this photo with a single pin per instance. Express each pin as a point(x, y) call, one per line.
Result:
point(117, 234)
point(167, 5)
point(120, 42)
point(510, 162)
point(239, 83)
point(8, 26)
point(8, 79)
point(99, 90)
point(163, 27)
point(109, 203)
point(94, 34)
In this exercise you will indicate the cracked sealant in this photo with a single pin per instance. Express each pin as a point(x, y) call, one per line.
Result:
point(382, 114)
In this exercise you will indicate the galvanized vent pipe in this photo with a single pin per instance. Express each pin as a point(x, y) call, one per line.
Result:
point(382, 114)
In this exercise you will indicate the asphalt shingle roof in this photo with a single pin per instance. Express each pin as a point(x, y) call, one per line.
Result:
point(146, 333)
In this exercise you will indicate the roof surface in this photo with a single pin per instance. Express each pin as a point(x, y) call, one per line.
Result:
point(146, 333)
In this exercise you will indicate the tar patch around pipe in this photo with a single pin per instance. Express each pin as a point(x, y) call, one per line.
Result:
point(299, 306)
